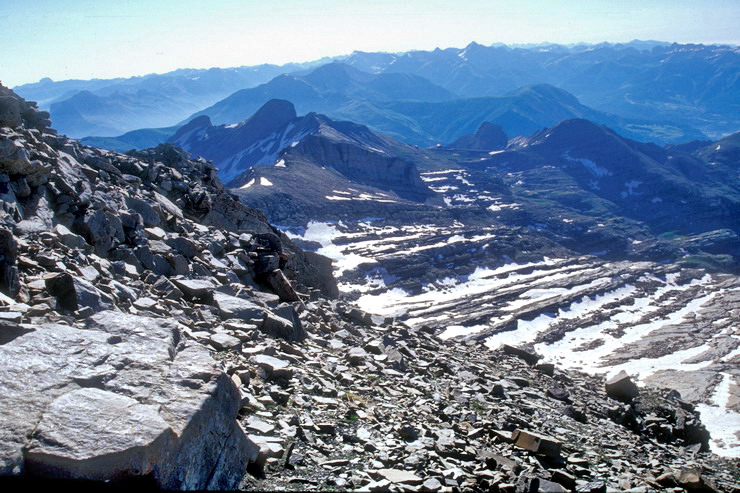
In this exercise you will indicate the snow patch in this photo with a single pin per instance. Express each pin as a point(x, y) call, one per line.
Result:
point(722, 423)
point(594, 168)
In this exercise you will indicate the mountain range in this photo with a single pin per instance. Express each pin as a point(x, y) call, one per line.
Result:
point(694, 84)
point(323, 156)
point(435, 117)
point(411, 109)
point(666, 93)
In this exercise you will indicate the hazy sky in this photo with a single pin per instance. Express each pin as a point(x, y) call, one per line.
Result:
point(65, 39)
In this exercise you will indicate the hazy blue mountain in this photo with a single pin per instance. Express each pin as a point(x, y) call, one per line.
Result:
point(324, 90)
point(695, 85)
point(412, 109)
point(136, 139)
point(488, 137)
point(519, 113)
point(114, 106)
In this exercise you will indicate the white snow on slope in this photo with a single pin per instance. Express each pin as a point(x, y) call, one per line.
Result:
point(324, 234)
point(723, 424)
point(594, 168)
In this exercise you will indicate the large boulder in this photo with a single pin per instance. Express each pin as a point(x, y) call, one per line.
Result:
point(621, 387)
point(101, 229)
point(170, 410)
point(283, 324)
point(119, 435)
point(281, 286)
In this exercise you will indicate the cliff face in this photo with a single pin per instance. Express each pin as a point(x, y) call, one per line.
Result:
point(365, 167)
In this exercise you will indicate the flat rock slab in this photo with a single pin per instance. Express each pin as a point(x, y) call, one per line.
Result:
point(399, 476)
point(99, 435)
point(222, 341)
point(259, 425)
point(271, 362)
point(124, 397)
point(233, 307)
point(199, 289)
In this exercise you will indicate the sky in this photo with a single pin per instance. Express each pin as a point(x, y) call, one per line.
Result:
point(85, 39)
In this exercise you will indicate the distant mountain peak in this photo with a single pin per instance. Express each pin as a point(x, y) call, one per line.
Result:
point(544, 90)
point(571, 131)
point(275, 112)
point(201, 121)
point(488, 137)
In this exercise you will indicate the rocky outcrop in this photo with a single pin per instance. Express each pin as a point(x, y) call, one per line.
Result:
point(366, 167)
point(16, 111)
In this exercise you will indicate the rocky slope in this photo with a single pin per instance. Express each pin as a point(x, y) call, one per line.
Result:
point(155, 329)
point(110, 264)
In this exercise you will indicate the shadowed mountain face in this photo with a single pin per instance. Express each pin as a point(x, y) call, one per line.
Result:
point(668, 190)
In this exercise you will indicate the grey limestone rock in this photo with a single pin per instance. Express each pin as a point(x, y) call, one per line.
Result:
point(94, 434)
point(171, 408)
point(234, 307)
point(621, 387)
